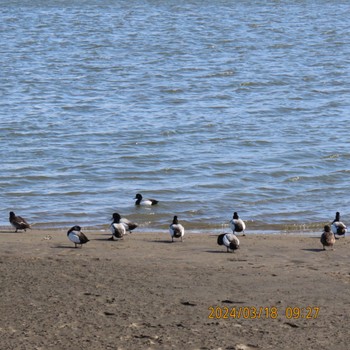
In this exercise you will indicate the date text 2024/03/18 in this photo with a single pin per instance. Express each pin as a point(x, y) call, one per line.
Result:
point(273, 312)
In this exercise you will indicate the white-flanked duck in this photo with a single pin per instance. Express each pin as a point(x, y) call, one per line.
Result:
point(141, 201)
point(129, 225)
point(176, 230)
point(237, 224)
point(338, 228)
point(327, 237)
point(18, 222)
point(229, 240)
point(76, 236)
point(117, 228)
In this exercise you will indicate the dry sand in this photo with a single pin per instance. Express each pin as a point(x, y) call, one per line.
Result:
point(146, 293)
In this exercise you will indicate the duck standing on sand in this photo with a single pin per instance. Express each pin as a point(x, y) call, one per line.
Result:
point(141, 201)
point(18, 222)
point(229, 240)
point(117, 228)
point(237, 224)
point(76, 236)
point(327, 238)
point(129, 225)
point(176, 230)
point(338, 228)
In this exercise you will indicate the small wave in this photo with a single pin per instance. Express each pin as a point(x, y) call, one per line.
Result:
point(293, 179)
point(332, 157)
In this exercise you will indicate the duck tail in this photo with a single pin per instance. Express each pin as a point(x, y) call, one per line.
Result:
point(221, 239)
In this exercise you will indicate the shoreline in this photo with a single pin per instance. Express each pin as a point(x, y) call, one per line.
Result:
point(141, 230)
point(146, 292)
point(253, 227)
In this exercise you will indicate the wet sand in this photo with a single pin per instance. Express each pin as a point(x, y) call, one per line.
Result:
point(276, 292)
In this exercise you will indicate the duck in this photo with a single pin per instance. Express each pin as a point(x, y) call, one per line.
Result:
point(129, 225)
point(229, 240)
point(337, 227)
point(18, 222)
point(237, 224)
point(141, 201)
point(327, 237)
point(117, 228)
point(77, 236)
point(176, 230)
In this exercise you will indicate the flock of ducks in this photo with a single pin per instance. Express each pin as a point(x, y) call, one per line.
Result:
point(122, 226)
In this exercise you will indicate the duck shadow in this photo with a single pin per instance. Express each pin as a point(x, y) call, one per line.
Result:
point(313, 250)
point(163, 241)
point(8, 231)
point(218, 252)
point(107, 238)
point(64, 247)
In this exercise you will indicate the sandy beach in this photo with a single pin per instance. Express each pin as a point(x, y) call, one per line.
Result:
point(275, 292)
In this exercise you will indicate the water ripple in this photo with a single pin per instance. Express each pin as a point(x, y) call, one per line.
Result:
point(212, 108)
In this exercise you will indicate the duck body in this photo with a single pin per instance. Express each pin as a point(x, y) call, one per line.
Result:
point(229, 240)
point(141, 201)
point(129, 226)
point(117, 228)
point(77, 236)
point(338, 227)
point(327, 238)
point(176, 230)
point(18, 222)
point(237, 224)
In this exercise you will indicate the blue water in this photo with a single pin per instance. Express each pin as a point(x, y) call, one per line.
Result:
point(209, 107)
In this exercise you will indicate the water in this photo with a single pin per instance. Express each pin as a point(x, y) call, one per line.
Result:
point(209, 107)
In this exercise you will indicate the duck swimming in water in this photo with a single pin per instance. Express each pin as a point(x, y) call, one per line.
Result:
point(141, 201)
